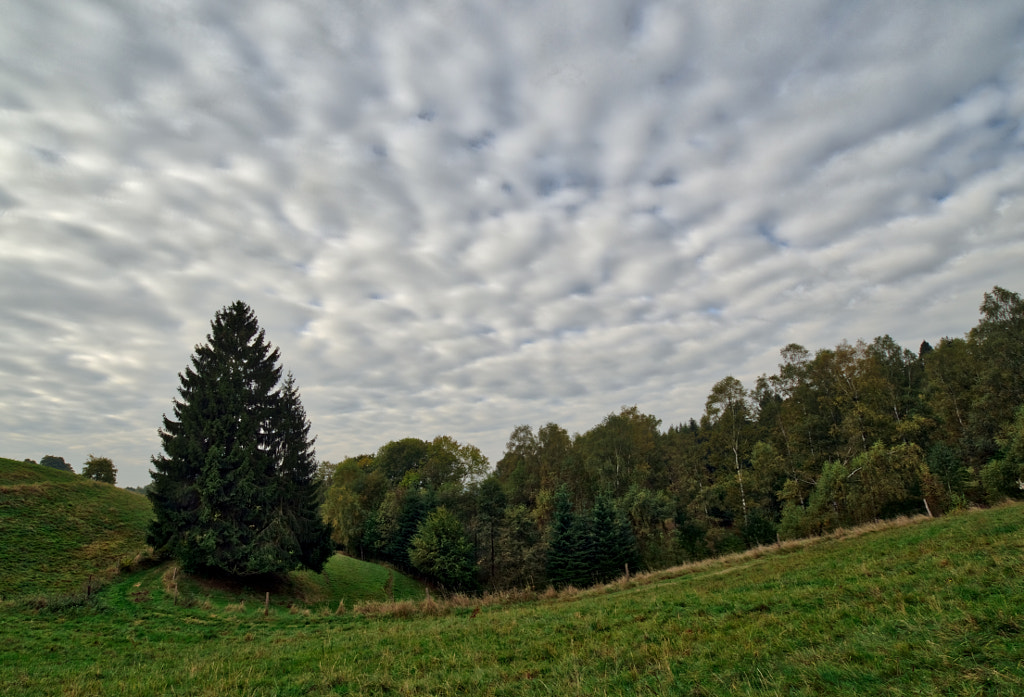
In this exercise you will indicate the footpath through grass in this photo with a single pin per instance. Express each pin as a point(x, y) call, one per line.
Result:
point(929, 607)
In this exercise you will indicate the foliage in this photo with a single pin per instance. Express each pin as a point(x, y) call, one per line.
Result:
point(234, 491)
point(489, 519)
point(615, 547)
point(101, 469)
point(520, 551)
point(836, 437)
point(561, 555)
point(440, 550)
point(57, 463)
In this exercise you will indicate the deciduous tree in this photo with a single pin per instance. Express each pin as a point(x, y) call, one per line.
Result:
point(101, 469)
point(57, 463)
point(440, 550)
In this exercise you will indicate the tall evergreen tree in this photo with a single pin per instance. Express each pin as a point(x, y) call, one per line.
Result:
point(560, 560)
point(614, 542)
point(303, 534)
point(582, 566)
point(233, 490)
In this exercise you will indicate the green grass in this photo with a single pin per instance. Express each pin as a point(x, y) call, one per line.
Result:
point(921, 608)
point(58, 529)
point(352, 581)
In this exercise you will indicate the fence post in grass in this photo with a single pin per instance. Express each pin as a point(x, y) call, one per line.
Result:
point(627, 571)
point(266, 604)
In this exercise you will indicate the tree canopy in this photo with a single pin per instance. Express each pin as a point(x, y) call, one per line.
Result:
point(235, 489)
point(101, 469)
point(836, 437)
point(57, 463)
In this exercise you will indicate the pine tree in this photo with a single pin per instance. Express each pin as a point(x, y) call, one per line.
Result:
point(560, 543)
point(233, 491)
point(304, 535)
point(614, 543)
point(582, 561)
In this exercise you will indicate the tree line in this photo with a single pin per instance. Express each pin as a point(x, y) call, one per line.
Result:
point(98, 468)
point(835, 437)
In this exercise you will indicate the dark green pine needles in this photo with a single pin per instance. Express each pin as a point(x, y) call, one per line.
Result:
point(234, 490)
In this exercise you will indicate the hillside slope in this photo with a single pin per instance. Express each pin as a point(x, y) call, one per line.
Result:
point(57, 529)
point(916, 607)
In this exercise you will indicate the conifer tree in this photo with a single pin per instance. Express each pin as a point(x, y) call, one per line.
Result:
point(614, 543)
point(560, 543)
point(234, 489)
point(582, 567)
point(303, 535)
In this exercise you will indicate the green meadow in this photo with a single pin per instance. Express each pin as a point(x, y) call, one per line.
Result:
point(58, 529)
point(916, 607)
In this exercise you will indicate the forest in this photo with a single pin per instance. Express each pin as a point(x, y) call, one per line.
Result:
point(836, 437)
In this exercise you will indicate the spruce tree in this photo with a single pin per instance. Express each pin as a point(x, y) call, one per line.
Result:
point(560, 561)
point(582, 562)
point(300, 532)
point(614, 543)
point(233, 491)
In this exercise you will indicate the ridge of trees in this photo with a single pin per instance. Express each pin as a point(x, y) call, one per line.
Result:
point(100, 469)
point(838, 437)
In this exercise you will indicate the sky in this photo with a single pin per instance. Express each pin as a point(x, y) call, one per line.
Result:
point(459, 217)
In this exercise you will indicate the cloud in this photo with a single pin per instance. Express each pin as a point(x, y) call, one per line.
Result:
point(456, 218)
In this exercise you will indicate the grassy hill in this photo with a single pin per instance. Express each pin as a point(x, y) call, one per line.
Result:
point(920, 607)
point(57, 529)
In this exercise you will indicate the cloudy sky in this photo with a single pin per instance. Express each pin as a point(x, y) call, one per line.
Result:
point(454, 218)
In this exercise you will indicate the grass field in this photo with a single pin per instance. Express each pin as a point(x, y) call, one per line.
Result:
point(58, 529)
point(917, 608)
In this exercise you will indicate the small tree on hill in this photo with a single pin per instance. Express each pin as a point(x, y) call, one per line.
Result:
point(234, 490)
point(101, 469)
point(57, 463)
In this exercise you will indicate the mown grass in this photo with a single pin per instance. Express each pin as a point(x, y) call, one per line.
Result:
point(58, 529)
point(924, 607)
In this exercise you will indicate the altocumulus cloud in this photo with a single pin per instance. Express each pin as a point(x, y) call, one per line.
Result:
point(459, 217)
